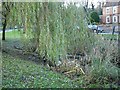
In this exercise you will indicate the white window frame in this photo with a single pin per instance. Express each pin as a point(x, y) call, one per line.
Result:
point(116, 19)
point(107, 10)
point(115, 9)
point(107, 19)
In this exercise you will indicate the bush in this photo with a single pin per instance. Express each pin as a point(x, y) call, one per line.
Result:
point(94, 17)
point(101, 69)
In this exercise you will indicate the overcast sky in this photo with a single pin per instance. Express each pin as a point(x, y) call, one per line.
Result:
point(95, 2)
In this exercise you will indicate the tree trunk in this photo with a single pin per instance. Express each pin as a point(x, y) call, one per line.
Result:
point(4, 27)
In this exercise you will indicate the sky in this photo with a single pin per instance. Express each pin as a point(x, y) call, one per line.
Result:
point(95, 2)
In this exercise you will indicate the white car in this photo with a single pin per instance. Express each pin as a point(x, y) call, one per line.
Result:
point(93, 27)
point(96, 28)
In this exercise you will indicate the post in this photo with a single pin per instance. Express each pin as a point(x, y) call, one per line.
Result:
point(113, 29)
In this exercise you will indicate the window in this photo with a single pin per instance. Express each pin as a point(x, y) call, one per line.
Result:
point(114, 19)
point(114, 9)
point(107, 10)
point(108, 19)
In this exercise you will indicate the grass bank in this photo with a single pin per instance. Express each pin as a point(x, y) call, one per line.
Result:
point(17, 73)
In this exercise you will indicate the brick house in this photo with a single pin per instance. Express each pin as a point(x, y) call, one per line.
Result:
point(111, 13)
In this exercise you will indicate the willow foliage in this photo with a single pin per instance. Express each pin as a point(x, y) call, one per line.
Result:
point(54, 30)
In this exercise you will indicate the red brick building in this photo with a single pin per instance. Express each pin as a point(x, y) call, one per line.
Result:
point(111, 13)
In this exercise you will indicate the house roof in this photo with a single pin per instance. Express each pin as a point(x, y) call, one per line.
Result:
point(108, 4)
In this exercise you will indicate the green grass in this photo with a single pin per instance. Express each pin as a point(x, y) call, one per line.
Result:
point(21, 74)
point(12, 36)
point(110, 36)
point(18, 73)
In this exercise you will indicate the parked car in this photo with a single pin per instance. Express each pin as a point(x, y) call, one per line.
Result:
point(93, 27)
point(96, 28)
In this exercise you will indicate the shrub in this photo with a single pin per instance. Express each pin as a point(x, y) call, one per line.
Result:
point(94, 17)
point(102, 70)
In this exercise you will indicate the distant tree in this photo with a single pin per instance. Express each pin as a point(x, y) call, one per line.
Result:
point(87, 11)
point(99, 11)
point(99, 8)
point(92, 6)
point(94, 17)
point(86, 4)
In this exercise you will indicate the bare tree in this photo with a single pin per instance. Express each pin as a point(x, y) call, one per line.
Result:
point(92, 6)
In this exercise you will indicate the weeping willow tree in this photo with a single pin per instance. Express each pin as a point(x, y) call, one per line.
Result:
point(52, 40)
point(78, 37)
point(53, 30)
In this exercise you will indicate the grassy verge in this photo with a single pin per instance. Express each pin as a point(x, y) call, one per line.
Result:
point(15, 34)
point(11, 37)
point(19, 74)
point(110, 36)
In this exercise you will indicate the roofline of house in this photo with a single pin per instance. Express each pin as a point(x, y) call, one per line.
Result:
point(111, 4)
